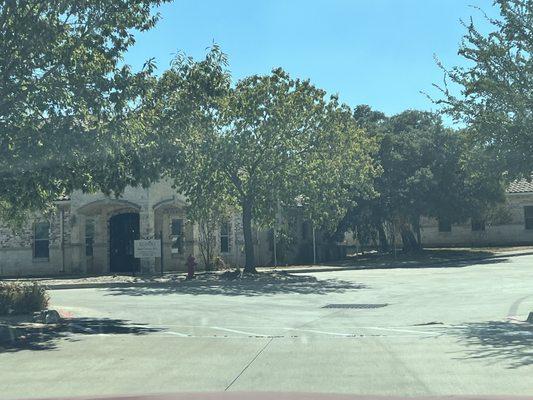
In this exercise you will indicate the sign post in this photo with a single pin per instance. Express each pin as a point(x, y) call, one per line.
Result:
point(147, 248)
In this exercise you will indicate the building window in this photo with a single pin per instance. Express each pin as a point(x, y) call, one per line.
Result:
point(445, 225)
point(89, 237)
point(528, 217)
point(41, 240)
point(478, 225)
point(225, 237)
point(176, 235)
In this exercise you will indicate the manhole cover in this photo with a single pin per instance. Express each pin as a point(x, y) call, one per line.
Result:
point(354, 305)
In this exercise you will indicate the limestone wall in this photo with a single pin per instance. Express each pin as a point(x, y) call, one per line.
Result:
point(509, 231)
point(156, 206)
point(16, 246)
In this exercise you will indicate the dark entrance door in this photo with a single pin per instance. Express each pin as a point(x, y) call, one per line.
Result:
point(123, 230)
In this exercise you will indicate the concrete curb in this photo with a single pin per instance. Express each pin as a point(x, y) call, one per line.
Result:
point(106, 285)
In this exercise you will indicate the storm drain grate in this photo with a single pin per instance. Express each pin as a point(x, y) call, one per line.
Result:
point(355, 305)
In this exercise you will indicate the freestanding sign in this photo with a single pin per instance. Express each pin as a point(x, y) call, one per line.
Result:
point(147, 248)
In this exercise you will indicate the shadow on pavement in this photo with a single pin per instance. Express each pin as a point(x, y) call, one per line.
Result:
point(262, 284)
point(427, 254)
point(32, 336)
point(413, 264)
point(497, 341)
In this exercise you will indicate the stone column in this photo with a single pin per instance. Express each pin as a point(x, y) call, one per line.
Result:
point(195, 247)
point(75, 246)
point(147, 231)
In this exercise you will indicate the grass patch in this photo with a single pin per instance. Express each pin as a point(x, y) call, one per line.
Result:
point(22, 298)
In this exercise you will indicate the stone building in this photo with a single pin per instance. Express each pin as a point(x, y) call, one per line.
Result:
point(94, 234)
point(512, 224)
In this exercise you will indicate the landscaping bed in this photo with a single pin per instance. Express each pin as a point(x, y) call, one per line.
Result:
point(426, 258)
point(18, 298)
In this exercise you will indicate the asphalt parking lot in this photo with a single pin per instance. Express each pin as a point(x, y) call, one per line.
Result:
point(413, 331)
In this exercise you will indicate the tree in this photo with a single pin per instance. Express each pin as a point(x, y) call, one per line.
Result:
point(65, 97)
point(259, 144)
point(428, 171)
point(343, 163)
point(367, 218)
point(496, 98)
point(282, 140)
point(176, 129)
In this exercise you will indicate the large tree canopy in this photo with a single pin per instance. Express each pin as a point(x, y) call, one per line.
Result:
point(428, 171)
point(64, 95)
point(259, 145)
point(496, 98)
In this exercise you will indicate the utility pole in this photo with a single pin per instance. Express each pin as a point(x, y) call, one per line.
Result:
point(275, 231)
point(275, 250)
point(314, 244)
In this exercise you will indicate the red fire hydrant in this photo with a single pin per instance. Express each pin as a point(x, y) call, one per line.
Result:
point(191, 264)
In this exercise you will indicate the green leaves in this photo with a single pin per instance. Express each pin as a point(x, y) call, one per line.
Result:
point(428, 171)
point(258, 144)
point(496, 98)
point(64, 99)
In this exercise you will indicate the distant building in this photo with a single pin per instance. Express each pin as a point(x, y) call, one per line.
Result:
point(511, 224)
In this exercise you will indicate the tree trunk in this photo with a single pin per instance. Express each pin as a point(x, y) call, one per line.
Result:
point(206, 244)
point(393, 239)
point(410, 245)
point(416, 227)
point(209, 253)
point(249, 266)
point(383, 243)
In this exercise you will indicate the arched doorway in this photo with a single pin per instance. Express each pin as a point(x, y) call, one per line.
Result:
point(123, 230)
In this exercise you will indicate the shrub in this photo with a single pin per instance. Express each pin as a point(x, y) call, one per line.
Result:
point(22, 298)
point(219, 263)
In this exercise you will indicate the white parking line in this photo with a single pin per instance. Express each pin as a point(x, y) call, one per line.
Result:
point(278, 329)
point(396, 330)
point(322, 332)
point(355, 328)
point(237, 331)
point(177, 334)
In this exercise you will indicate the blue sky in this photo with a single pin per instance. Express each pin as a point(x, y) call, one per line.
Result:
point(376, 52)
